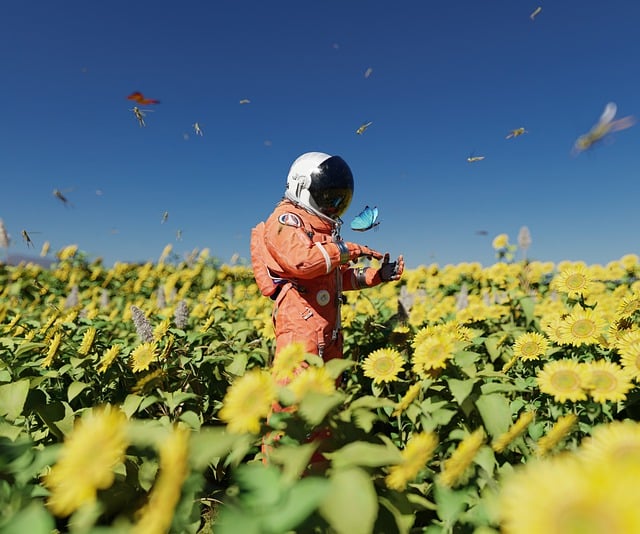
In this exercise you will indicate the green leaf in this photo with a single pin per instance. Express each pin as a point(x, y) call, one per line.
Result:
point(361, 453)
point(450, 503)
point(495, 412)
point(9, 431)
point(460, 389)
point(193, 419)
point(131, 404)
point(34, 519)
point(351, 504)
point(238, 365)
point(29, 346)
point(75, 388)
point(528, 305)
point(337, 366)
point(294, 459)
point(298, 503)
point(12, 398)
point(315, 406)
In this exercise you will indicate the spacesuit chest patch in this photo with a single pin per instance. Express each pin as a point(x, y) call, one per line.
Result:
point(290, 219)
point(323, 297)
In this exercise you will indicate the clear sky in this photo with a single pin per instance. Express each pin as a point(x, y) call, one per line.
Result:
point(446, 79)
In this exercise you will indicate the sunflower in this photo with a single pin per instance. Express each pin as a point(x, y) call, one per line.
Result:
point(573, 280)
point(408, 398)
point(500, 241)
point(315, 379)
point(54, 345)
point(288, 361)
point(552, 327)
point(521, 424)
point(583, 326)
point(142, 356)
point(606, 381)
point(630, 358)
point(628, 307)
point(108, 357)
point(89, 454)
point(617, 440)
point(247, 401)
point(558, 432)
point(161, 329)
point(87, 341)
point(383, 365)
point(433, 353)
point(562, 495)
point(156, 515)
point(417, 452)
point(563, 379)
point(530, 346)
point(454, 467)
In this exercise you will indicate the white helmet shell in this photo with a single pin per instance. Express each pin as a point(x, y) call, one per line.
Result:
point(320, 183)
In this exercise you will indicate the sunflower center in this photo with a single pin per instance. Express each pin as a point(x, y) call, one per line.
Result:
point(384, 366)
point(565, 380)
point(583, 328)
point(603, 381)
point(530, 349)
point(576, 281)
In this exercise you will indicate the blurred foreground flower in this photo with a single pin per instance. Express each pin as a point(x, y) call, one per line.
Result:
point(90, 452)
point(248, 400)
point(417, 452)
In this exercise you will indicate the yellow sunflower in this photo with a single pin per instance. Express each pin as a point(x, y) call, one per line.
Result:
point(383, 365)
point(521, 424)
point(573, 280)
point(96, 445)
point(417, 452)
point(552, 327)
point(156, 515)
point(87, 341)
point(563, 379)
point(530, 346)
point(409, 397)
point(500, 241)
point(108, 357)
point(606, 381)
point(143, 355)
point(433, 353)
point(315, 379)
point(562, 495)
point(583, 326)
point(628, 307)
point(630, 358)
point(248, 400)
point(614, 441)
point(54, 345)
point(455, 467)
point(561, 429)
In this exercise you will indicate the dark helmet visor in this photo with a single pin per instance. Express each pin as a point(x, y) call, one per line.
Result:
point(332, 186)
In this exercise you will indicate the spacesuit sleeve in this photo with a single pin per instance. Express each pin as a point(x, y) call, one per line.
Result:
point(359, 278)
point(297, 254)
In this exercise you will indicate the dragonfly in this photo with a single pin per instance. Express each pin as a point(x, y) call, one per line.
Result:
point(165, 216)
point(515, 133)
point(363, 127)
point(60, 196)
point(605, 126)
point(138, 97)
point(27, 238)
point(140, 114)
point(472, 159)
point(365, 220)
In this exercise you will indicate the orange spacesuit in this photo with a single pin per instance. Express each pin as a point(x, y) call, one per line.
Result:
point(301, 262)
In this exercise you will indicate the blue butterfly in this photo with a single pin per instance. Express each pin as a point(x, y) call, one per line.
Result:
point(365, 220)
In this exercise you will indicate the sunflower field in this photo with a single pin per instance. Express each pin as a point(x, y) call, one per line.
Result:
point(138, 399)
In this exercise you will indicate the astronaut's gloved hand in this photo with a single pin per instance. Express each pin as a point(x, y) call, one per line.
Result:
point(390, 271)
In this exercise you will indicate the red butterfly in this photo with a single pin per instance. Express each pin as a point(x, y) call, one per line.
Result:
point(140, 99)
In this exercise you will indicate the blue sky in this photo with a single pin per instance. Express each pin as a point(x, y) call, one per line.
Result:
point(448, 78)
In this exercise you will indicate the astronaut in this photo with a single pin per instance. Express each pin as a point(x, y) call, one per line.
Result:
point(302, 263)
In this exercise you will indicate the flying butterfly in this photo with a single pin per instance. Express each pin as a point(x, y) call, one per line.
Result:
point(138, 97)
point(363, 127)
point(604, 126)
point(365, 220)
point(535, 13)
point(60, 196)
point(140, 115)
